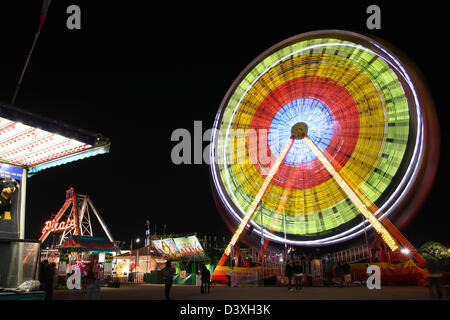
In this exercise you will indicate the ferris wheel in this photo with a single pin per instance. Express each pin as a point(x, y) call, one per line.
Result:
point(324, 136)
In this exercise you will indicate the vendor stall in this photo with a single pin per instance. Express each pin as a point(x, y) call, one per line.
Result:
point(76, 252)
point(185, 253)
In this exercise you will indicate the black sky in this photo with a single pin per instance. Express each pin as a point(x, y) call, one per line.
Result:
point(135, 74)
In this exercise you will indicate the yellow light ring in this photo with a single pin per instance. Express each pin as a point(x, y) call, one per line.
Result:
point(246, 173)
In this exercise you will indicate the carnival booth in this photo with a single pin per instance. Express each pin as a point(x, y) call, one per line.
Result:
point(76, 252)
point(137, 265)
point(185, 253)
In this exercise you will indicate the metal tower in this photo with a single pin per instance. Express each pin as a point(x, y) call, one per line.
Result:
point(76, 221)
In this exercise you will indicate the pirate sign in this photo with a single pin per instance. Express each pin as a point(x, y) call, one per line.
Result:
point(8, 187)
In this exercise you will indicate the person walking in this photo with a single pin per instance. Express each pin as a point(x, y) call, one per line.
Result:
point(289, 272)
point(168, 278)
point(299, 270)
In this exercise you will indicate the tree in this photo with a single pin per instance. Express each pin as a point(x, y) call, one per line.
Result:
point(436, 250)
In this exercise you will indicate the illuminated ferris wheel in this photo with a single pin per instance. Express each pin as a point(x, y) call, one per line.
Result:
point(321, 137)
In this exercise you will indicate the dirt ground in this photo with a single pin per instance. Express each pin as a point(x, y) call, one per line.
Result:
point(219, 292)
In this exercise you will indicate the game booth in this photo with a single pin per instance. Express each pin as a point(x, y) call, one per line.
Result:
point(76, 253)
point(30, 144)
point(186, 255)
point(145, 264)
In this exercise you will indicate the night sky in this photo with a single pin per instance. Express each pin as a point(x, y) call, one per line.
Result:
point(135, 74)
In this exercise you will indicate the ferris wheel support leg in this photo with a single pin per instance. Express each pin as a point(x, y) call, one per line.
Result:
point(235, 238)
point(366, 212)
point(398, 236)
point(412, 252)
point(371, 208)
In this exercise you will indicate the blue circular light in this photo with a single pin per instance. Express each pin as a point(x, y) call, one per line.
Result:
point(320, 129)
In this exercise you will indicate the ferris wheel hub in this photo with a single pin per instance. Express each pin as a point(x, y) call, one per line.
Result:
point(299, 130)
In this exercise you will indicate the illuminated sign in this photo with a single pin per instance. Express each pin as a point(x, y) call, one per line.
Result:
point(188, 245)
point(37, 143)
point(52, 225)
point(178, 246)
point(8, 171)
point(28, 146)
point(165, 246)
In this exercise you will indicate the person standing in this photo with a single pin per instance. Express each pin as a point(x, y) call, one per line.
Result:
point(229, 275)
point(50, 281)
point(337, 274)
point(168, 278)
point(100, 274)
point(328, 264)
point(205, 277)
point(132, 274)
point(434, 267)
point(289, 272)
point(43, 271)
point(299, 270)
point(347, 274)
point(91, 282)
point(98, 277)
point(55, 272)
point(45, 279)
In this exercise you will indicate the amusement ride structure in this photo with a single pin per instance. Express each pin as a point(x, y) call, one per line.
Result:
point(74, 219)
point(322, 137)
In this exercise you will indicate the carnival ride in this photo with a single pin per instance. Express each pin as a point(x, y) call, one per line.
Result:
point(322, 137)
point(76, 221)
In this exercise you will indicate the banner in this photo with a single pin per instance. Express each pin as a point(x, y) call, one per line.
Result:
point(406, 271)
point(188, 245)
point(165, 246)
point(9, 171)
point(181, 246)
